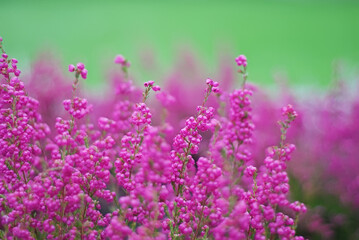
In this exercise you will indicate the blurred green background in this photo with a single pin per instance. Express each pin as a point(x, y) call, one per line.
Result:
point(299, 38)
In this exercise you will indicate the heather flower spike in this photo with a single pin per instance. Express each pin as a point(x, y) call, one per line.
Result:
point(79, 70)
point(241, 60)
point(123, 62)
point(149, 85)
point(290, 114)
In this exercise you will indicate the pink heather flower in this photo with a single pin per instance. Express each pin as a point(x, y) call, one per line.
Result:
point(141, 115)
point(78, 107)
point(289, 111)
point(241, 60)
point(80, 66)
point(80, 70)
point(17, 72)
point(105, 124)
point(119, 59)
point(298, 207)
point(250, 171)
point(84, 73)
point(148, 84)
point(0, 39)
point(71, 68)
point(209, 82)
point(156, 88)
point(215, 89)
point(213, 84)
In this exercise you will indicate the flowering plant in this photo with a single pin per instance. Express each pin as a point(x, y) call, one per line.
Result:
point(116, 175)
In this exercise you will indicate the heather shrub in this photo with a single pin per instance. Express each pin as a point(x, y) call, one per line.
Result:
point(146, 163)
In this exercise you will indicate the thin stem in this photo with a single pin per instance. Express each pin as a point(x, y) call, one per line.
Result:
point(245, 76)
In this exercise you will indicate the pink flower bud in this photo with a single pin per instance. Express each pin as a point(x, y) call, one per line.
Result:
point(17, 72)
point(71, 68)
point(80, 66)
point(241, 60)
point(250, 170)
point(156, 88)
point(84, 73)
point(119, 59)
point(215, 90)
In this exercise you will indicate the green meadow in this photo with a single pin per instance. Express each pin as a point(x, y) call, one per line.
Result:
point(300, 39)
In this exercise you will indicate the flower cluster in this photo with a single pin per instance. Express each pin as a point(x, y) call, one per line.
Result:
point(119, 59)
point(241, 60)
point(79, 69)
point(270, 189)
point(22, 132)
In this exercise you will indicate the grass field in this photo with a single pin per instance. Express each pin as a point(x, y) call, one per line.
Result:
point(301, 38)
